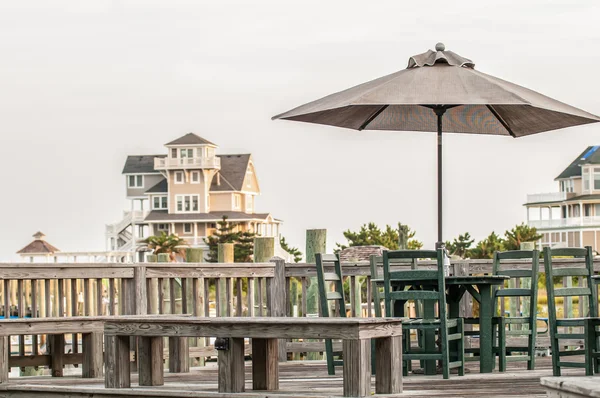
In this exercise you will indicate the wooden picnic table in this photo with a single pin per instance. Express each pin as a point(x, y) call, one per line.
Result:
point(478, 286)
point(356, 334)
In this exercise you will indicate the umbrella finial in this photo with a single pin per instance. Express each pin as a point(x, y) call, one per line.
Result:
point(440, 47)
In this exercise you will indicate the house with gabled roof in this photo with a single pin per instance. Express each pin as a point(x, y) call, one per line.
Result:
point(186, 192)
point(571, 216)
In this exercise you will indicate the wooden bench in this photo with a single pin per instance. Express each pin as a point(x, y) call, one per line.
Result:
point(356, 334)
point(91, 329)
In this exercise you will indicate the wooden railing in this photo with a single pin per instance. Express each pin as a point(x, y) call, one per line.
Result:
point(203, 289)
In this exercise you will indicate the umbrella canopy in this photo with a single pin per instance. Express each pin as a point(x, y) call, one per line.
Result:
point(441, 87)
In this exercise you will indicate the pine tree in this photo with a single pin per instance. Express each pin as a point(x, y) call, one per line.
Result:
point(243, 242)
point(294, 251)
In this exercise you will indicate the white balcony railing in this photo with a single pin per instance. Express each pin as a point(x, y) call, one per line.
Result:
point(549, 197)
point(135, 216)
point(565, 222)
point(213, 162)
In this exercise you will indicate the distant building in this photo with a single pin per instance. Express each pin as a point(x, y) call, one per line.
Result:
point(38, 248)
point(571, 216)
point(187, 191)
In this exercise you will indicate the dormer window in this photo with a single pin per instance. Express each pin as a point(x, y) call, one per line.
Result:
point(135, 181)
point(179, 177)
point(567, 186)
point(585, 175)
point(597, 178)
point(237, 201)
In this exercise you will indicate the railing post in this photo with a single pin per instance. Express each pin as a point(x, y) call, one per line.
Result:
point(140, 297)
point(276, 300)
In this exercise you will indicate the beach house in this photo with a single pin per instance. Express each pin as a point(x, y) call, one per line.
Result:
point(571, 216)
point(187, 191)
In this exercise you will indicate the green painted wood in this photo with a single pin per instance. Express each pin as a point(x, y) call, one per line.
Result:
point(514, 273)
point(194, 255)
point(572, 291)
point(569, 252)
point(412, 254)
point(414, 295)
point(571, 272)
point(514, 293)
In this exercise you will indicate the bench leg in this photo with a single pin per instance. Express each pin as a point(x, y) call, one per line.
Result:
point(357, 372)
point(265, 365)
point(4, 358)
point(117, 372)
point(57, 345)
point(179, 355)
point(92, 355)
point(389, 365)
point(231, 367)
point(150, 361)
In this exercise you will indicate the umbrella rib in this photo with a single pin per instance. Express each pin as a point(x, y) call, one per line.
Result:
point(502, 122)
point(372, 117)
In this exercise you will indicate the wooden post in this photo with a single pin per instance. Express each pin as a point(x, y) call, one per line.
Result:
point(140, 293)
point(92, 355)
point(225, 255)
point(265, 368)
point(276, 300)
point(388, 371)
point(316, 242)
point(231, 367)
point(357, 367)
point(118, 373)
point(151, 372)
point(194, 255)
point(57, 342)
point(264, 249)
point(4, 357)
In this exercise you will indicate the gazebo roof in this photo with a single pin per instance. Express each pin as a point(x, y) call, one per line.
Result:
point(38, 246)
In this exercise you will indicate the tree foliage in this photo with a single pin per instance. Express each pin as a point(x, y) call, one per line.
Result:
point(371, 235)
point(460, 246)
point(294, 251)
point(243, 242)
point(170, 244)
point(487, 247)
point(519, 234)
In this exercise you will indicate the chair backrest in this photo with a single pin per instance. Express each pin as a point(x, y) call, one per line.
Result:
point(376, 262)
point(431, 283)
point(527, 270)
point(584, 270)
point(326, 280)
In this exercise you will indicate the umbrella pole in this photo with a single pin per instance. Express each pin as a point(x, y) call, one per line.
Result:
point(439, 111)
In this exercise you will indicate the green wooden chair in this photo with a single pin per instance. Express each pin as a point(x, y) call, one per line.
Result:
point(429, 286)
point(569, 328)
point(325, 281)
point(518, 325)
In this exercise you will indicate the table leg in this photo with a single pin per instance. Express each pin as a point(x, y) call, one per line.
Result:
point(357, 371)
point(4, 358)
point(92, 355)
point(117, 372)
point(453, 313)
point(231, 367)
point(57, 354)
point(389, 365)
point(486, 363)
point(179, 355)
point(265, 364)
point(150, 361)
point(429, 336)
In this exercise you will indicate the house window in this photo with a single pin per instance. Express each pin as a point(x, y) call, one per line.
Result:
point(249, 199)
point(135, 181)
point(212, 225)
point(586, 180)
point(567, 186)
point(187, 228)
point(162, 227)
point(186, 155)
point(237, 201)
point(195, 177)
point(159, 202)
point(179, 177)
point(597, 178)
point(173, 153)
point(187, 203)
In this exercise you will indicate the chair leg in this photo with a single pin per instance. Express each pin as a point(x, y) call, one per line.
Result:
point(329, 352)
point(555, 351)
point(461, 348)
point(590, 344)
point(502, 345)
point(445, 354)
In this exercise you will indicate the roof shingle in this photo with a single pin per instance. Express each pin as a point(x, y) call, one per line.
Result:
point(141, 164)
point(190, 139)
point(591, 155)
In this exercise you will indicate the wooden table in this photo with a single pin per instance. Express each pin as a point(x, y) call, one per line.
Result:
point(91, 329)
point(480, 287)
point(265, 332)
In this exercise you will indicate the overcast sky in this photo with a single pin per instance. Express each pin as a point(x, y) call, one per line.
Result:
point(83, 84)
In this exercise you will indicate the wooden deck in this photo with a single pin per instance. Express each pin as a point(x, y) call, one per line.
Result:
point(298, 379)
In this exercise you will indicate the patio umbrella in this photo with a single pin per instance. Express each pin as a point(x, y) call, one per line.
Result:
point(440, 90)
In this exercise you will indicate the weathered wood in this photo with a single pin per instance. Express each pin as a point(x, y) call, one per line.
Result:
point(57, 342)
point(231, 367)
point(282, 328)
point(117, 372)
point(357, 371)
point(150, 354)
point(276, 299)
point(265, 366)
point(388, 367)
point(140, 300)
point(182, 270)
point(179, 356)
point(58, 272)
point(4, 358)
point(92, 355)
